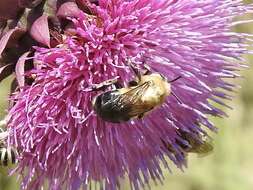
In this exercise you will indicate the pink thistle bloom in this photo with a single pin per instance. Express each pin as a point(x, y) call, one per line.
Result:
point(52, 123)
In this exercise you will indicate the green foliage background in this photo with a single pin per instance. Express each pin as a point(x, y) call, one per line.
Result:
point(229, 167)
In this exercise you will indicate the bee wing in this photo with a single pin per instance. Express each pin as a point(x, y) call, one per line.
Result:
point(131, 100)
point(205, 149)
point(139, 110)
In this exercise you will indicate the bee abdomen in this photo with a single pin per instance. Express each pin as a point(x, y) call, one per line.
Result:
point(7, 156)
point(110, 109)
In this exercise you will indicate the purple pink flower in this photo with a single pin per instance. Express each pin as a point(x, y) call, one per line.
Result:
point(61, 139)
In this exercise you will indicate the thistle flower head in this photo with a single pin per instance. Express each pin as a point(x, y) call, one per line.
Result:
point(63, 141)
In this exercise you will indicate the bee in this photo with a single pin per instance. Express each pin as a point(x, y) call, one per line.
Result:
point(145, 93)
point(8, 156)
point(201, 147)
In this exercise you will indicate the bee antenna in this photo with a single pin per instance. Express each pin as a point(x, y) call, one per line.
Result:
point(175, 79)
point(178, 99)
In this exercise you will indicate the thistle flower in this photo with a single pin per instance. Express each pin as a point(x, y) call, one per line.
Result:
point(61, 139)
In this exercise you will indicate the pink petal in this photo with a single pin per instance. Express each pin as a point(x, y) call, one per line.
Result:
point(69, 9)
point(20, 69)
point(5, 39)
point(40, 30)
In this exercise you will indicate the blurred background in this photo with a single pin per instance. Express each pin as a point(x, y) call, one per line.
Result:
point(230, 165)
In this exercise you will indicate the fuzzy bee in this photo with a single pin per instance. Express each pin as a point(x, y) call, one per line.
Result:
point(142, 95)
point(201, 145)
point(8, 156)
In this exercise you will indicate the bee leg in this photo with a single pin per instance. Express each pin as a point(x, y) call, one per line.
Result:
point(97, 87)
point(104, 85)
point(118, 85)
point(136, 71)
point(140, 115)
point(144, 113)
point(147, 69)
